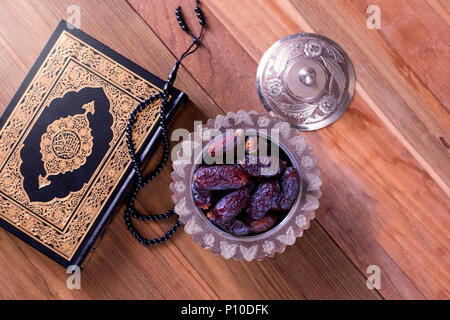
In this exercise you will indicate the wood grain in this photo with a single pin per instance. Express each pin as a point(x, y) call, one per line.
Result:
point(121, 268)
point(420, 38)
point(384, 163)
point(377, 194)
point(442, 7)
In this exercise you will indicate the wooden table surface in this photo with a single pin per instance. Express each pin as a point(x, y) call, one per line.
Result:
point(385, 164)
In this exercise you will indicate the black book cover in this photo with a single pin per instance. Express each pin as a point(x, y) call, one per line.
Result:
point(64, 163)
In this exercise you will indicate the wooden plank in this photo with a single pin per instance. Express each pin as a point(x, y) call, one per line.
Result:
point(360, 171)
point(207, 65)
point(442, 7)
point(411, 112)
point(420, 37)
point(120, 267)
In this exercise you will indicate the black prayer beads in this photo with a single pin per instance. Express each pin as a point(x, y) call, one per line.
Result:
point(139, 181)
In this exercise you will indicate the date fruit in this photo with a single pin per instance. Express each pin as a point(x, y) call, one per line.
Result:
point(235, 226)
point(250, 196)
point(263, 199)
point(220, 177)
point(276, 207)
point(239, 228)
point(230, 206)
point(202, 198)
point(262, 166)
point(290, 184)
point(262, 225)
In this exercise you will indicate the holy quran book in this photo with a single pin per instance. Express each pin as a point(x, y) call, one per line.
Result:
point(64, 162)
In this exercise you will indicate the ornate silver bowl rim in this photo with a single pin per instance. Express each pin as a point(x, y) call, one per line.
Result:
point(272, 241)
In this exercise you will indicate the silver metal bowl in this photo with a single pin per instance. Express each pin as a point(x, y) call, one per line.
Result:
point(255, 246)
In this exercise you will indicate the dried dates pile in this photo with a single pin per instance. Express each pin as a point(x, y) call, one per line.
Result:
point(253, 194)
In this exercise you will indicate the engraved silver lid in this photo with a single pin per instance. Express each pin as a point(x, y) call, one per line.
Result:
point(307, 79)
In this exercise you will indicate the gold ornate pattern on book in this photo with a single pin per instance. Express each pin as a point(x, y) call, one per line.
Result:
point(71, 65)
point(66, 144)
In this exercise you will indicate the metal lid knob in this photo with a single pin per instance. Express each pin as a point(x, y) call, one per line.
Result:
point(307, 76)
point(307, 79)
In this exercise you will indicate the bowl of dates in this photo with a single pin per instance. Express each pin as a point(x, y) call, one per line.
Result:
point(245, 185)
